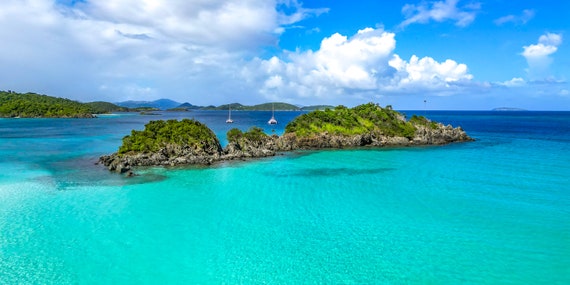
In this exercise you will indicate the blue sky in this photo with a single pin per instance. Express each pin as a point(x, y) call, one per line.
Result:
point(456, 54)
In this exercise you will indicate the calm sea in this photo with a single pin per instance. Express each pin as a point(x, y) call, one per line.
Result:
point(494, 211)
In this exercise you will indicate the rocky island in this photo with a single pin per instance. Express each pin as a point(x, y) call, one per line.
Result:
point(186, 142)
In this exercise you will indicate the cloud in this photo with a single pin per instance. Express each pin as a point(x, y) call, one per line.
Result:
point(550, 39)
point(522, 19)
point(440, 11)
point(215, 22)
point(515, 82)
point(205, 52)
point(426, 74)
point(538, 55)
point(299, 12)
point(98, 49)
point(356, 67)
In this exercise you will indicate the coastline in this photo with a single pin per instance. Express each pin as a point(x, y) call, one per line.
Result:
point(266, 146)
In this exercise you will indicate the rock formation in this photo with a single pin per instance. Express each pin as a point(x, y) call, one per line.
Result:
point(161, 146)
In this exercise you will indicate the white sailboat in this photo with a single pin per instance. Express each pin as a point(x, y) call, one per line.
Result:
point(272, 121)
point(229, 120)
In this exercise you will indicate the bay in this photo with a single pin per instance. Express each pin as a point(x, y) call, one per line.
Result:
point(493, 211)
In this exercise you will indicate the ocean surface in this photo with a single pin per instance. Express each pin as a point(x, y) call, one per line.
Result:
point(493, 211)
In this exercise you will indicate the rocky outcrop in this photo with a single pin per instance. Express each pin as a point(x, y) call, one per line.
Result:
point(170, 155)
point(246, 148)
point(255, 144)
point(424, 136)
point(173, 155)
point(440, 135)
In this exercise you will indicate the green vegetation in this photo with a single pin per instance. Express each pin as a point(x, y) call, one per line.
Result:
point(144, 109)
point(316, 107)
point(235, 106)
point(345, 121)
point(158, 134)
point(184, 107)
point(421, 120)
point(31, 105)
point(100, 107)
point(254, 134)
point(270, 106)
point(188, 106)
point(234, 135)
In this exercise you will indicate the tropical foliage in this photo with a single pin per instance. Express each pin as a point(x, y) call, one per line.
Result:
point(316, 107)
point(100, 107)
point(33, 105)
point(361, 119)
point(158, 134)
point(254, 134)
point(423, 121)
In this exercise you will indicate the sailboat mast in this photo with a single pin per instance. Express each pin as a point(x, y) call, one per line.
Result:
point(272, 121)
point(229, 120)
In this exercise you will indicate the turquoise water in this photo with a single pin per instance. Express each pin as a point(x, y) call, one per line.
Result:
point(495, 211)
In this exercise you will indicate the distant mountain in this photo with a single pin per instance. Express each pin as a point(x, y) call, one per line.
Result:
point(278, 106)
point(100, 107)
point(260, 107)
point(235, 106)
point(162, 104)
point(188, 106)
point(166, 104)
point(184, 107)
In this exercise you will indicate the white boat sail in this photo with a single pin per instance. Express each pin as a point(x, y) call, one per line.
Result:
point(229, 120)
point(272, 121)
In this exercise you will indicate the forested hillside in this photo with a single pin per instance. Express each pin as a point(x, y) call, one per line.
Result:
point(31, 105)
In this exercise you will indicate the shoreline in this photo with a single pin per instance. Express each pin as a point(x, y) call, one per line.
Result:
point(279, 145)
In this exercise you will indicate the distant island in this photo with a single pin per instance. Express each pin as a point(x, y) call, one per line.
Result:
point(173, 106)
point(100, 107)
point(508, 109)
point(279, 106)
point(32, 105)
point(186, 142)
point(160, 104)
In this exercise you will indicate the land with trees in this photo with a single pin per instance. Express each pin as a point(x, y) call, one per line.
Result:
point(32, 105)
point(170, 143)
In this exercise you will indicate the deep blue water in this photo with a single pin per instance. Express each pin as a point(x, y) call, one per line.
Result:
point(494, 211)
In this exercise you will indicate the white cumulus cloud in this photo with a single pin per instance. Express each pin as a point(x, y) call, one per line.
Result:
point(203, 52)
point(356, 66)
point(538, 55)
point(428, 74)
point(550, 39)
